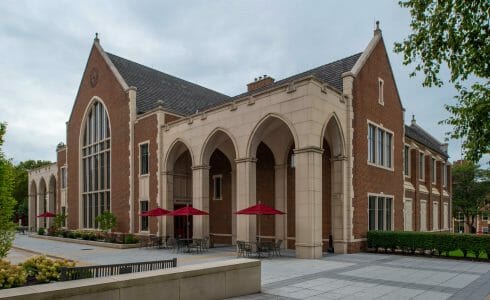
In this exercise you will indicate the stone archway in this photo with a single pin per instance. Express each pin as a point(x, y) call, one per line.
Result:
point(33, 207)
point(333, 208)
point(218, 161)
point(52, 199)
point(177, 187)
point(42, 203)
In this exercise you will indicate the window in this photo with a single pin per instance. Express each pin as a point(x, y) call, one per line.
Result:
point(381, 91)
point(380, 213)
point(144, 219)
point(143, 159)
point(444, 174)
point(484, 216)
point(380, 145)
point(435, 216)
point(406, 161)
point(63, 178)
point(96, 167)
point(372, 143)
point(434, 170)
point(421, 166)
point(63, 212)
point(217, 187)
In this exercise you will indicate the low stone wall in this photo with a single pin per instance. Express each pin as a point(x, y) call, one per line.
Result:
point(84, 242)
point(214, 280)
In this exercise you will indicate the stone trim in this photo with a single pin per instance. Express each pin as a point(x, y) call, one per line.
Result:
point(246, 159)
point(308, 149)
point(201, 167)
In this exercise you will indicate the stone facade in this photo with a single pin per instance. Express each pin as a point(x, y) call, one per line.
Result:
point(299, 146)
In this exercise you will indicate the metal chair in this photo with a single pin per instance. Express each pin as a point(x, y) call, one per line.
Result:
point(276, 250)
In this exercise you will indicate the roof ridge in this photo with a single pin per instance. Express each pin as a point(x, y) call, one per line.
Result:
point(427, 133)
point(166, 74)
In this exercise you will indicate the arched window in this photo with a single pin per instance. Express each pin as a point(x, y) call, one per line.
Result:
point(96, 165)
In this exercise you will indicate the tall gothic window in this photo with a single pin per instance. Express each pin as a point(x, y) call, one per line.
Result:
point(96, 165)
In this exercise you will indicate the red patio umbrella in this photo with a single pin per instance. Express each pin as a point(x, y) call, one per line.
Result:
point(188, 211)
point(46, 214)
point(259, 209)
point(156, 212)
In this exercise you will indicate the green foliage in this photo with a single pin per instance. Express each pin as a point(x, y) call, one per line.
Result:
point(59, 220)
point(455, 34)
point(440, 243)
point(107, 221)
point(130, 239)
point(471, 187)
point(45, 269)
point(7, 202)
point(41, 231)
point(11, 275)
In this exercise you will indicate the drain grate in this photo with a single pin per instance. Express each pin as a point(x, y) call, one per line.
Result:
point(87, 249)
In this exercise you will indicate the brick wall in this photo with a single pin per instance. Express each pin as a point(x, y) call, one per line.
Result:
point(370, 179)
point(116, 101)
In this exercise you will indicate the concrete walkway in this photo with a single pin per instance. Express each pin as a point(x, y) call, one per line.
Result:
point(352, 276)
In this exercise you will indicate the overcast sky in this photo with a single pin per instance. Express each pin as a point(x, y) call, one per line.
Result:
point(221, 45)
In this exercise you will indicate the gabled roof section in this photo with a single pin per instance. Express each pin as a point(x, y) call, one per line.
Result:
point(178, 96)
point(416, 133)
point(330, 73)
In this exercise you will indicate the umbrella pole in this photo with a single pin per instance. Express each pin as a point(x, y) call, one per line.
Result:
point(187, 226)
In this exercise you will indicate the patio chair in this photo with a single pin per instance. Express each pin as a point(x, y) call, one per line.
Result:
point(265, 247)
point(196, 244)
point(243, 249)
point(276, 250)
point(205, 244)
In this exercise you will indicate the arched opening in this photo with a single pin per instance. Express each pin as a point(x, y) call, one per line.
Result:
point(33, 208)
point(332, 184)
point(219, 153)
point(42, 203)
point(179, 188)
point(271, 144)
point(95, 165)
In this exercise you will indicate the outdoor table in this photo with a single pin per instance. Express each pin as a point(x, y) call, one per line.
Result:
point(185, 243)
point(263, 247)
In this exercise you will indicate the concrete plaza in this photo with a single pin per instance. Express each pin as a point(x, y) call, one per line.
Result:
point(350, 276)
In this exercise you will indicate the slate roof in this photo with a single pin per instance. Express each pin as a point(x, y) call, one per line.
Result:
point(178, 96)
point(418, 134)
point(330, 73)
point(184, 98)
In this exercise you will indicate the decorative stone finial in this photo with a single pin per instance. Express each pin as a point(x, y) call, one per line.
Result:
point(414, 122)
point(96, 37)
point(377, 30)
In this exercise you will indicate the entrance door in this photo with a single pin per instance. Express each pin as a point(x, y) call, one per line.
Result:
point(180, 223)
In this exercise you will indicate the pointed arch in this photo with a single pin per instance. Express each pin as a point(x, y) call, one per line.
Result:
point(264, 127)
point(177, 147)
point(333, 133)
point(217, 137)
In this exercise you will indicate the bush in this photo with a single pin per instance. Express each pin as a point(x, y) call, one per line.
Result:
point(442, 243)
point(11, 275)
point(107, 221)
point(130, 239)
point(6, 239)
point(41, 231)
point(45, 269)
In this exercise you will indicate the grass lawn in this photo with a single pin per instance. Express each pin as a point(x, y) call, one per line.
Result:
point(459, 253)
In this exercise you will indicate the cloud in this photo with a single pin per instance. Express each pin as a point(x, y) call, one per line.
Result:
point(222, 45)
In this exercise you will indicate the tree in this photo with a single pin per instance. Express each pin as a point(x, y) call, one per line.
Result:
point(7, 202)
point(471, 186)
point(21, 187)
point(455, 34)
point(107, 221)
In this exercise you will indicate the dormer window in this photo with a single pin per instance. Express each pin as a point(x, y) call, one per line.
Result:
point(381, 91)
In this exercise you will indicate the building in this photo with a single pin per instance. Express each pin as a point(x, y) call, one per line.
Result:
point(326, 146)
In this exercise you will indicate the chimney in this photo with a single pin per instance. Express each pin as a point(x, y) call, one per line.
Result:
point(259, 83)
point(444, 147)
point(414, 122)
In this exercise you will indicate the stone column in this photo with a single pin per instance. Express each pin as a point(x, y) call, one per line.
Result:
point(200, 200)
point(233, 205)
point(308, 176)
point(340, 226)
point(40, 210)
point(280, 201)
point(166, 223)
point(246, 196)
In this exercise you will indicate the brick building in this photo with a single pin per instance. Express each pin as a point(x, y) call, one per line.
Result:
point(327, 146)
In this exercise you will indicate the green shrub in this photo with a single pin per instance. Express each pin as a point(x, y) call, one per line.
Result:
point(45, 269)
point(435, 242)
point(41, 231)
point(130, 239)
point(10, 275)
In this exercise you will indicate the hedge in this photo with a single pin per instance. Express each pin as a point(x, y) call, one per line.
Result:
point(435, 242)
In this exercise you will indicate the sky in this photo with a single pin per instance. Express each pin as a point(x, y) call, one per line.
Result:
point(222, 45)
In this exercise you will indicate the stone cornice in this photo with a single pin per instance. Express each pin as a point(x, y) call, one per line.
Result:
point(246, 159)
point(308, 149)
